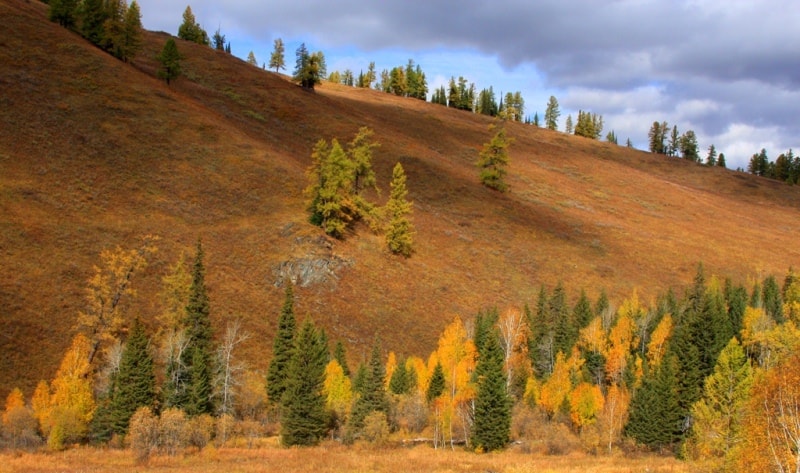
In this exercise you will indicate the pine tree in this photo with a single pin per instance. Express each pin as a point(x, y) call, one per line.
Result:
point(131, 34)
point(251, 59)
point(198, 357)
point(568, 126)
point(400, 382)
point(711, 158)
point(551, 114)
point(372, 392)
point(304, 418)
point(63, 12)
point(721, 160)
point(493, 160)
point(655, 418)
point(492, 422)
point(135, 382)
point(340, 356)
point(282, 348)
point(400, 234)
point(170, 60)
point(218, 40)
point(276, 59)
point(92, 17)
point(436, 384)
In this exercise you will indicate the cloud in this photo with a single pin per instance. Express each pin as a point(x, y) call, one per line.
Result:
point(707, 65)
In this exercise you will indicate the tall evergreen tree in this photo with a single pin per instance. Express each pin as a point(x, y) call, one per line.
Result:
point(400, 233)
point(773, 303)
point(92, 17)
point(131, 34)
point(551, 114)
point(492, 422)
point(341, 357)
point(135, 382)
point(655, 418)
point(304, 418)
point(190, 30)
point(372, 392)
point(436, 384)
point(400, 382)
point(282, 347)
point(198, 357)
point(218, 40)
point(63, 12)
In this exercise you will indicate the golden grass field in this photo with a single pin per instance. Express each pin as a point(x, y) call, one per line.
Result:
point(95, 153)
point(335, 459)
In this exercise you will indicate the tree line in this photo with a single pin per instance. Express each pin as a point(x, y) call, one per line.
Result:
point(710, 373)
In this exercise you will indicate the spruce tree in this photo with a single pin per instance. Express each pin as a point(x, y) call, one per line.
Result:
point(400, 382)
point(304, 418)
point(400, 234)
point(282, 347)
point(131, 38)
point(93, 15)
point(372, 392)
point(492, 422)
point(135, 382)
point(63, 12)
point(341, 357)
point(170, 60)
point(190, 30)
point(198, 357)
point(551, 114)
point(436, 384)
point(655, 417)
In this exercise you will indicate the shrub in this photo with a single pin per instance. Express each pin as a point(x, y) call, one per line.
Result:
point(199, 430)
point(19, 428)
point(143, 433)
point(376, 428)
point(172, 431)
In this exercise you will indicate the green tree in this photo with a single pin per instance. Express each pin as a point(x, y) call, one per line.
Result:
point(372, 391)
point(568, 126)
point(689, 148)
point(655, 418)
point(135, 382)
point(400, 234)
point(493, 160)
point(63, 12)
point(492, 422)
point(721, 160)
point(304, 418)
point(251, 59)
point(436, 384)
point(711, 158)
point(551, 114)
point(218, 40)
point(190, 30)
point(674, 140)
point(590, 125)
point(309, 67)
point(130, 40)
point(341, 357)
point(400, 382)
point(198, 357)
point(657, 136)
point(718, 415)
point(170, 60)
point(330, 190)
point(282, 347)
point(93, 15)
point(277, 60)
point(536, 119)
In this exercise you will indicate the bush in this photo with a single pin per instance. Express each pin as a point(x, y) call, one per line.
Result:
point(225, 428)
point(143, 433)
point(66, 427)
point(19, 428)
point(199, 430)
point(376, 428)
point(172, 431)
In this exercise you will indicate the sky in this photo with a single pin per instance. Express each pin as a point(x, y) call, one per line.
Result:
point(727, 69)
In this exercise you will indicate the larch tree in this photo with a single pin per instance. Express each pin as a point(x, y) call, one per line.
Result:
point(330, 185)
point(282, 347)
point(135, 382)
point(492, 415)
point(190, 30)
point(551, 114)
point(71, 404)
point(338, 392)
point(304, 419)
point(63, 12)
point(400, 231)
point(277, 59)
point(719, 414)
point(568, 125)
point(493, 160)
point(251, 59)
point(170, 60)
point(131, 34)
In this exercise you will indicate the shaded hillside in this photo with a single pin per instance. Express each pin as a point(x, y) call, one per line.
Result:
point(95, 153)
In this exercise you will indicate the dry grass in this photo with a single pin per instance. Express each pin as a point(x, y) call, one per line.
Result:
point(94, 153)
point(334, 459)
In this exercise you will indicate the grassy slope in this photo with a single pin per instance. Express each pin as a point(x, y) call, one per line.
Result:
point(95, 153)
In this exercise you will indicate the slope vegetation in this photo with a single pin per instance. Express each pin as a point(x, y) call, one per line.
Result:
point(95, 153)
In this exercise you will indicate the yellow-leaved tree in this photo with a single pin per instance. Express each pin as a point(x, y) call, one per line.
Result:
point(71, 400)
point(585, 404)
point(338, 392)
point(658, 341)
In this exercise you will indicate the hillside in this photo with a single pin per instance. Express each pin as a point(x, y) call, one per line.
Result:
point(95, 153)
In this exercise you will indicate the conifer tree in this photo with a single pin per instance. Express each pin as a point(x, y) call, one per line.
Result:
point(340, 356)
point(303, 403)
point(655, 417)
point(400, 234)
point(277, 60)
point(170, 60)
point(372, 392)
point(718, 415)
point(218, 40)
point(198, 357)
point(63, 12)
point(492, 423)
point(92, 17)
point(551, 114)
point(251, 59)
point(282, 348)
point(135, 382)
point(400, 382)
point(190, 30)
point(493, 160)
point(131, 33)
point(436, 384)
point(568, 126)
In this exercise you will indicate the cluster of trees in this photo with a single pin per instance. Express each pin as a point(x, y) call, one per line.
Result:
point(786, 166)
point(338, 179)
point(663, 140)
point(710, 374)
point(309, 69)
point(112, 25)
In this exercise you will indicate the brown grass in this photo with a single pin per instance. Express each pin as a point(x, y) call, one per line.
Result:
point(95, 153)
point(334, 459)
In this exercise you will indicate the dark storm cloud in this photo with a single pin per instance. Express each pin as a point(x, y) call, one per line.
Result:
point(715, 62)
